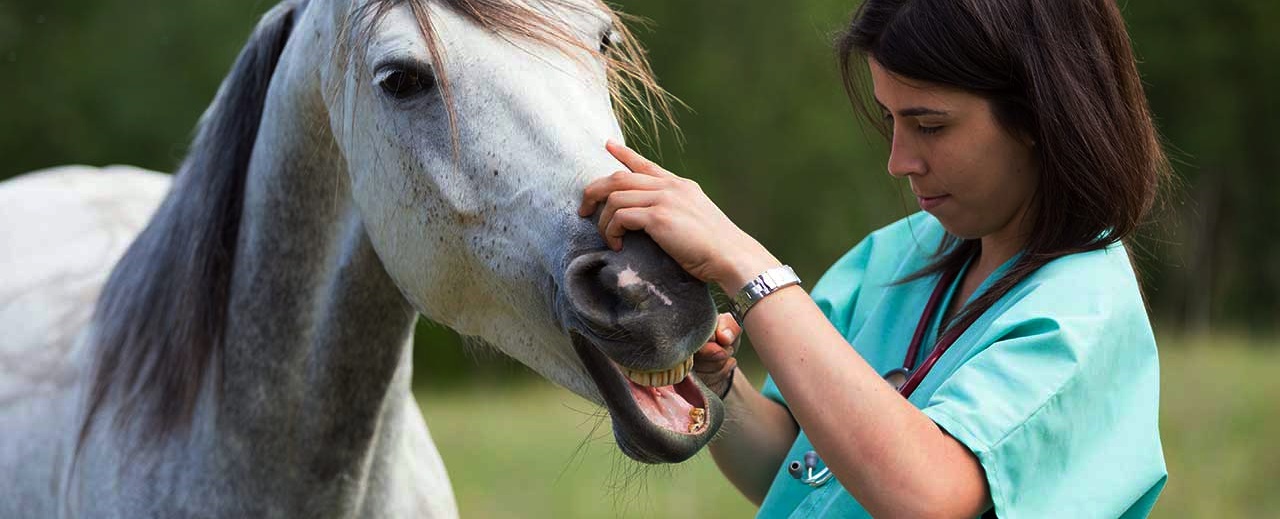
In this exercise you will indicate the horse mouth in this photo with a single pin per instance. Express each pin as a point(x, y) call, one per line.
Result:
point(658, 417)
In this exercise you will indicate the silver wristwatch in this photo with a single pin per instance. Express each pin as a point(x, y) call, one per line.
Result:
point(770, 281)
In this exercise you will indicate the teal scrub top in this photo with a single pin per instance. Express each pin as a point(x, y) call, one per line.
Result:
point(1055, 389)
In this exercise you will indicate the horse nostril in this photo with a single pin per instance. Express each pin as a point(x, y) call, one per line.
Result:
point(642, 308)
point(607, 289)
point(588, 290)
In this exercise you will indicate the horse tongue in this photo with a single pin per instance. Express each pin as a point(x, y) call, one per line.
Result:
point(665, 407)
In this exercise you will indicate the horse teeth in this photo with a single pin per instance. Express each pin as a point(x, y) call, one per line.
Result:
point(661, 378)
point(697, 418)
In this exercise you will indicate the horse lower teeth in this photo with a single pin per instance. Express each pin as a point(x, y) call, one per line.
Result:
point(697, 418)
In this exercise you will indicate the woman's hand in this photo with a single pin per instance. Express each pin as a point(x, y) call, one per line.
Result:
point(678, 216)
point(714, 363)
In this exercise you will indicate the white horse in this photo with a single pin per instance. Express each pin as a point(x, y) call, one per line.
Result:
point(237, 342)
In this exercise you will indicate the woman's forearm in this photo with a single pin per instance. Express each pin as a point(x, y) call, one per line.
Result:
point(887, 453)
point(754, 439)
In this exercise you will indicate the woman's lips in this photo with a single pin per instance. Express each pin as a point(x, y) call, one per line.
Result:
point(930, 202)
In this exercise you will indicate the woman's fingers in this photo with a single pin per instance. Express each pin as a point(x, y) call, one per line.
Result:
point(621, 200)
point(623, 220)
point(713, 366)
point(599, 189)
point(710, 354)
point(635, 161)
point(720, 350)
point(728, 333)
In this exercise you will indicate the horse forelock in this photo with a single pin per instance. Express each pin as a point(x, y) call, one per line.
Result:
point(639, 102)
point(160, 320)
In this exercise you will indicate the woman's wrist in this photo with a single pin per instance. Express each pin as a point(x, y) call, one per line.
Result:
point(750, 261)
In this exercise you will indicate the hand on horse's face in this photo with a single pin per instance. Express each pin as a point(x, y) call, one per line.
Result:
point(678, 216)
point(714, 363)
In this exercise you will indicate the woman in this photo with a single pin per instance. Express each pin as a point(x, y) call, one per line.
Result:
point(1006, 315)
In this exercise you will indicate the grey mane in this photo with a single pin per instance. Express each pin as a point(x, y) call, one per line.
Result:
point(159, 321)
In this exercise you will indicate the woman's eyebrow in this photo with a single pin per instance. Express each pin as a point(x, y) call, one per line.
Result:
point(915, 111)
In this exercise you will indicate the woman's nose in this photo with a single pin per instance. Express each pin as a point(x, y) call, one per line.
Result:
point(904, 159)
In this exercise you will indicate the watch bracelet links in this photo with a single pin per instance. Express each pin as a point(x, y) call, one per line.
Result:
point(768, 282)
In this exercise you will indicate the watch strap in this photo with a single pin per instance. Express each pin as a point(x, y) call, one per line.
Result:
point(761, 286)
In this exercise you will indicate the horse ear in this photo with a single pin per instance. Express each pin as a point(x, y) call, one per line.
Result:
point(264, 48)
point(230, 126)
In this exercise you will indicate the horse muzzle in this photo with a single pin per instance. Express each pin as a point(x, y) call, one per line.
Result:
point(638, 318)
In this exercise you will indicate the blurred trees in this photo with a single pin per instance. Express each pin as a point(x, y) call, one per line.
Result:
point(782, 152)
point(770, 135)
point(1212, 77)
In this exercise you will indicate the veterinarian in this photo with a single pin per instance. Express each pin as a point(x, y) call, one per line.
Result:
point(990, 355)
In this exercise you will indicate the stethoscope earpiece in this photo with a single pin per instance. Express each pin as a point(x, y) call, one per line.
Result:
point(795, 468)
point(805, 472)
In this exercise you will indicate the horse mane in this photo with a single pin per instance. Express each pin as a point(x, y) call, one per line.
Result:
point(159, 321)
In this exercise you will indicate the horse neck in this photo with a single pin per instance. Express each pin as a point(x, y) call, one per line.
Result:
point(317, 357)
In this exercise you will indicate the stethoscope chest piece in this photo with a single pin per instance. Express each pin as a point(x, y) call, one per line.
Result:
point(805, 471)
point(897, 377)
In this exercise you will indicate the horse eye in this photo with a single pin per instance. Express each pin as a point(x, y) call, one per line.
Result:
point(609, 40)
point(404, 82)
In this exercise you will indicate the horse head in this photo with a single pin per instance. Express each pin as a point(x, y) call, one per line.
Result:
point(469, 129)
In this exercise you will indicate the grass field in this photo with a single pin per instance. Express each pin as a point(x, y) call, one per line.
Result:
point(535, 450)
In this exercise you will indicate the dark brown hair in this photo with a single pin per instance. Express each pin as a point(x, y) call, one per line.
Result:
point(1061, 72)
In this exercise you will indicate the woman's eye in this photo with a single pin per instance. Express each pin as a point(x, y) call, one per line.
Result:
point(929, 130)
point(402, 82)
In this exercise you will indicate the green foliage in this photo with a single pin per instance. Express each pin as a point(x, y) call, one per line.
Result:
point(1211, 79)
point(110, 82)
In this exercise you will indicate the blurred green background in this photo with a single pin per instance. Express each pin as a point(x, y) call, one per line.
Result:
point(112, 81)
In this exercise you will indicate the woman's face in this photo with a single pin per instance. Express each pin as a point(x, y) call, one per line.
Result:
point(965, 169)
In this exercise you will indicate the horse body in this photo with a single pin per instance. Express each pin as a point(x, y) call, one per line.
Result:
point(57, 254)
point(315, 218)
point(57, 264)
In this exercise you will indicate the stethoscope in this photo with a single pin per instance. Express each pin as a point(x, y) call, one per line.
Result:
point(904, 379)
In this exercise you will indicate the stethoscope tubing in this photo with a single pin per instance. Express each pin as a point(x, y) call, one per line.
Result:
point(911, 377)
